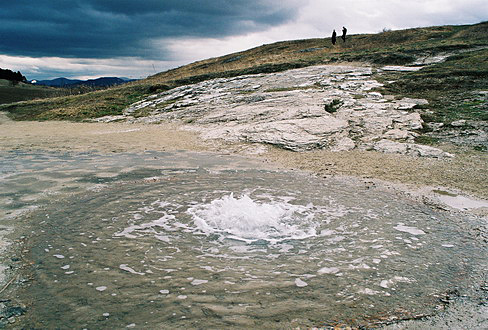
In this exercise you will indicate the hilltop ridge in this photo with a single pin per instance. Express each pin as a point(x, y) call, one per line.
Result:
point(385, 48)
point(97, 82)
point(452, 62)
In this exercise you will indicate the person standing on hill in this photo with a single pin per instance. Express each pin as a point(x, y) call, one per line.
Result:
point(344, 31)
point(334, 37)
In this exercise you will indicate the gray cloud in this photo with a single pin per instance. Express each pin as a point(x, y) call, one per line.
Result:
point(105, 29)
point(90, 38)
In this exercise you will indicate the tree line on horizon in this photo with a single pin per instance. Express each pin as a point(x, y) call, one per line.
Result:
point(12, 76)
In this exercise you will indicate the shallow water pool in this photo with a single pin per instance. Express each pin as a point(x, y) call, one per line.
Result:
point(197, 241)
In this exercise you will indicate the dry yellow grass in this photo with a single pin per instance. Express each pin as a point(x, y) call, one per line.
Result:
point(393, 47)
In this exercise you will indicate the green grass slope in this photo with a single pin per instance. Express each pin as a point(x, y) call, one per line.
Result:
point(10, 92)
point(453, 87)
point(456, 77)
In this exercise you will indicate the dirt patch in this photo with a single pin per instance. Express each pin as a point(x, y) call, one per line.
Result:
point(466, 172)
point(113, 137)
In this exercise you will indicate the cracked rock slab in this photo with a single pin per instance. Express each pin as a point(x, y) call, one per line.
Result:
point(327, 107)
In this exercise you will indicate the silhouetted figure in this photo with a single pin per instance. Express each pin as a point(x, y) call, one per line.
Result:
point(334, 37)
point(344, 31)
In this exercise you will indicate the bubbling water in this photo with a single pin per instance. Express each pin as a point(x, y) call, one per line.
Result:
point(191, 248)
point(248, 220)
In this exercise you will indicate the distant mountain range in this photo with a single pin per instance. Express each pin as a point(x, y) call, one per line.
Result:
point(99, 82)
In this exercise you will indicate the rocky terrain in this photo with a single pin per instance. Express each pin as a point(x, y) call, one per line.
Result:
point(318, 107)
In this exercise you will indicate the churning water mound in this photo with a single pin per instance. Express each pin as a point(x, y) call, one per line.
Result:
point(198, 248)
point(249, 221)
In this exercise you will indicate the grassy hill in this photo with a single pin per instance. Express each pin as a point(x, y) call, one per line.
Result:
point(10, 92)
point(449, 86)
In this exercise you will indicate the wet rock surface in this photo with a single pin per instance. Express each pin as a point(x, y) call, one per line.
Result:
point(9, 313)
point(320, 107)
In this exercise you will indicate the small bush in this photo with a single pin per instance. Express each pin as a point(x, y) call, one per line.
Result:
point(333, 106)
point(153, 89)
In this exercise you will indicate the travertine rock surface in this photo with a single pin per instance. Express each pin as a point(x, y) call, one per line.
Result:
point(319, 107)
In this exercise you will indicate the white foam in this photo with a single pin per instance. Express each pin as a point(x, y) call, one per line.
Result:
point(198, 282)
point(135, 230)
point(360, 266)
point(328, 270)
point(163, 238)
point(299, 283)
point(101, 288)
point(59, 256)
point(410, 230)
point(387, 283)
point(130, 270)
point(368, 292)
point(248, 220)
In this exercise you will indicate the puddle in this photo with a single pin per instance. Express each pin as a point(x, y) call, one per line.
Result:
point(460, 202)
point(199, 241)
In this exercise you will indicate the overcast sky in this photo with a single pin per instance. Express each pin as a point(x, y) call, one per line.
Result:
point(131, 38)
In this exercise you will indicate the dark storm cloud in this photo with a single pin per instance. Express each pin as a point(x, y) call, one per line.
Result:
point(105, 28)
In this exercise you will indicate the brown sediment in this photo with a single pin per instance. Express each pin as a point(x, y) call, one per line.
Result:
point(113, 137)
point(466, 172)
